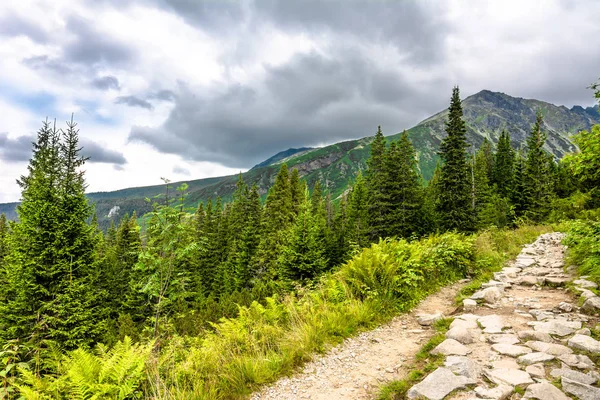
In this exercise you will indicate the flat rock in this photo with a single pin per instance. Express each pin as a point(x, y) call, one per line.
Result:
point(586, 379)
point(584, 331)
point(584, 343)
point(508, 363)
point(580, 390)
point(429, 319)
point(490, 295)
point(536, 370)
point(585, 284)
point(500, 392)
point(524, 262)
point(439, 384)
point(544, 391)
point(468, 317)
point(463, 366)
point(506, 338)
point(529, 280)
point(492, 283)
point(511, 349)
point(591, 305)
point(587, 294)
point(451, 347)
point(556, 280)
point(549, 348)
point(511, 272)
point(557, 327)
point(508, 376)
point(564, 306)
point(460, 334)
point(469, 305)
point(493, 323)
point(534, 358)
point(535, 335)
point(467, 324)
point(577, 361)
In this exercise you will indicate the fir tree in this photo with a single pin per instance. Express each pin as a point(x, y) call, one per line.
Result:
point(518, 198)
point(504, 166)
point(358, 213)
point(379, 202)
point(536, 177)
point(454, 204)
point(403, 183)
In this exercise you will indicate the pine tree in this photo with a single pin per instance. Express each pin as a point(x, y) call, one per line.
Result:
point(3, 239)
point(302, 256)
point(53, 277)
point(504, 166)
point(278, 216)
point(537, 185)
point(518, 198)
point(379, 202)
point(297, 191)
point(358, 213)
point(454, 204)
point(482, 192)
point(403, 183)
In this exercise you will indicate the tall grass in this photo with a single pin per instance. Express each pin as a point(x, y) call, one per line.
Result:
point(267, 341)
point(583, 239)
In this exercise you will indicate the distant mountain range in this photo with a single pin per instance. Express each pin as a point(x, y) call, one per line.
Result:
point(486, 114)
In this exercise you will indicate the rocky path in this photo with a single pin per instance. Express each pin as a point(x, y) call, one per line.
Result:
point(520, 332)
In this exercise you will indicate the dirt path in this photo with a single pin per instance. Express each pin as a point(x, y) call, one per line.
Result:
point(357, 367)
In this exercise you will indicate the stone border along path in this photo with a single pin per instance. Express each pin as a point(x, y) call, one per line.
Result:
point(521, 329)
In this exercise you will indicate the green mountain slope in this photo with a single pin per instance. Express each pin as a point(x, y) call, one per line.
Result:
point(486, 114)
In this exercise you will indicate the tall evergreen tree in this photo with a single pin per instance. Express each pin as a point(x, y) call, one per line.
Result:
point(536, 177)
point(518, 196)
point(403, 184)
point(504, 166)
point(454, 204)
point(358, 213)
point(379, 202)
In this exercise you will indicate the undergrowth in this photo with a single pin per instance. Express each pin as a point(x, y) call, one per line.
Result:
point(267, 341)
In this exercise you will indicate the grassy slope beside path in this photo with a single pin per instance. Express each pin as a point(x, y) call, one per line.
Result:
point(268, 341)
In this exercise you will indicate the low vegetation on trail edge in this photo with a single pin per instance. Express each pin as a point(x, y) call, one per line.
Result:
point(269, 340)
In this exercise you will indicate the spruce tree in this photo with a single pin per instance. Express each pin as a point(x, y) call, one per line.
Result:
point(403, 184)
point(379, 202)
point(3, 239)
point(518, 197)
point(504, 166)
point(358, 213)
point(454, 205)
point(536, 177)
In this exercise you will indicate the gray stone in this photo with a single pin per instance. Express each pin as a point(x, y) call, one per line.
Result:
point(556, 280)
point(508, 363)
point(577, 361)
point(587, 294)
point(460, 334)
point(492, 283)
point(542, 315)
point(490, 295)
point(586, 379)
point(530, 280)
point(585, 343)
point(544, 391)
point(439, 384)
point(511, 272)
point(428, 319)
point(584, 331)
point(500, 392)
point(462, 365)
point(536, 370)
point(549, 348)
point(508, 376)
point(524, 261)
point(534, 358)
point(469, 305)
point(493, 323)
point(535, 335)
point(468, 317)
point(591, 305)
point(585, 284)
point(506, 338)
point(461, 323)
point(510, 349)
point(557, 327)
point(566, 307)
point(580, 390)
point(451, 347)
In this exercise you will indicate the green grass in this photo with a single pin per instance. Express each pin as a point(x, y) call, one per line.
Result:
point(265, 342)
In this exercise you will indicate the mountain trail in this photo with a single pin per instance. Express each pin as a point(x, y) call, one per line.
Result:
point(521, 329)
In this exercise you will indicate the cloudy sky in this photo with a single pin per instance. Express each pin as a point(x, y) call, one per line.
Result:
point(187, 89)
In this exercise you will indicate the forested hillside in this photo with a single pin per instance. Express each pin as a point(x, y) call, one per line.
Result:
point(336, 166)
point(210, 302)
